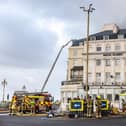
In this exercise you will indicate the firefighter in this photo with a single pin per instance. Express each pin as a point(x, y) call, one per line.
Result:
point(85, 106)
point(13, 108)
point(98, 105)
point(32, 104)
point(10, 108)
point(89, 107)
point(13, 105)
point(37, 107)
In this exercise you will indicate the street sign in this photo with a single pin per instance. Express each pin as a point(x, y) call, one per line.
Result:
point(76, 105)
point(104, 104)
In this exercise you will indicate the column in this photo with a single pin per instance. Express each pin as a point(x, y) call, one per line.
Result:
point(113, 95)
point(105, 93)
point(103, 71)
point(94, 70)
point(84, 72)
point(122, 63)
point(113, 70)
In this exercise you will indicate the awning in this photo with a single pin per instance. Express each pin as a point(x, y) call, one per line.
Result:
point(77, 68)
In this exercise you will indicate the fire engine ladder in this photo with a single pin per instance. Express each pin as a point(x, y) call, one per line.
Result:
point(53, 65)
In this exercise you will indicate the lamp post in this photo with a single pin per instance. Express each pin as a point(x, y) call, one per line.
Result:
point(89, 10)
point(4, 83)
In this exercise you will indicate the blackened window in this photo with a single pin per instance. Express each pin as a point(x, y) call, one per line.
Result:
point(99, 37)
point(98, 48)
point(113, 37)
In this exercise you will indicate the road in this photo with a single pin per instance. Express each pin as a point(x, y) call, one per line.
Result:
point(39, 121)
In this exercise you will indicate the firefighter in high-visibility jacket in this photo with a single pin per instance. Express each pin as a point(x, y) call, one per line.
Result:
point(98, 105)
point(89, 107)
point(32, 104)
point(13, 105)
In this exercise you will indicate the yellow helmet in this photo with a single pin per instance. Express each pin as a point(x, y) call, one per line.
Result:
point(98, 96)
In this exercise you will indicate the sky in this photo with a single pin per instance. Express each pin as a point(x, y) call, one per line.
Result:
point(33, 31)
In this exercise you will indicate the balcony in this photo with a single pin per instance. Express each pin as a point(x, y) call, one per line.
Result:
point(76, 78)
point(71, 82)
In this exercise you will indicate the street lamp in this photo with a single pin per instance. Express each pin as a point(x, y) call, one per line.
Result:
point(4, 83)
point(89, 10)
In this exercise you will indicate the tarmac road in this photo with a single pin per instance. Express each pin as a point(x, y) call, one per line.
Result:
point(6, 120)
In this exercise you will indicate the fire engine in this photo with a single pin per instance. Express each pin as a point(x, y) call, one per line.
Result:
point(31, 102)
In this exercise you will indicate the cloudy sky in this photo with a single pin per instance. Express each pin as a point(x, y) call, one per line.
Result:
point(32, 32)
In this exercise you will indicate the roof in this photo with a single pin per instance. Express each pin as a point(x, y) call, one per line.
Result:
point(99, 36)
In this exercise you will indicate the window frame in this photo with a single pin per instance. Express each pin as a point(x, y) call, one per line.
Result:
point(98, 62)
point(98, 48)
point(107, 62)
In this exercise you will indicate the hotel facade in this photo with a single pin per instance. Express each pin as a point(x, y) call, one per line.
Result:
point(106, 66)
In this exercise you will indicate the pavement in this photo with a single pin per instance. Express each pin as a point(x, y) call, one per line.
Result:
point(4, 111)
point(120, 115)
point(29, 114)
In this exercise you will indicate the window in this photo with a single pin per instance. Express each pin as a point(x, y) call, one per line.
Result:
point(109, 97)
point(102, 96)
point(98, 77)
point(116, 97)
point(106, 37)
point(98, 48)
point(121, 36)
point(98, 62)
point(81, 72)
point(107, 62)
point(75, 73)
point(108, 48)
point(75, 51)
point(81, 43)
point(94, 96)
point(117, 77)
point(117, 47)
point(93, 38)
point(107, 76)
point(117, 62)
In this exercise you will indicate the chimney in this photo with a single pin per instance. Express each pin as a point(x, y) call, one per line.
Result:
point(110, 27)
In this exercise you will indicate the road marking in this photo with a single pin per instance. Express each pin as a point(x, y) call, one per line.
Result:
point(4, 114)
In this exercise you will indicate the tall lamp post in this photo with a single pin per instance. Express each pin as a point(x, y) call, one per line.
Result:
point(4, 83)
point(88, 11)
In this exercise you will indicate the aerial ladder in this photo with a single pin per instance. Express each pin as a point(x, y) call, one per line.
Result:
point(53, 65)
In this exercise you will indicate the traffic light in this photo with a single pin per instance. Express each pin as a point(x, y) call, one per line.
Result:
point(86, 87)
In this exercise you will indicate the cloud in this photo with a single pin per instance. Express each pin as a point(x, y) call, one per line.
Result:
point(32, 31)
point(22, 44)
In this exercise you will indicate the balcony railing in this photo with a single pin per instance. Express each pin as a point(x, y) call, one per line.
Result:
point(80, 78)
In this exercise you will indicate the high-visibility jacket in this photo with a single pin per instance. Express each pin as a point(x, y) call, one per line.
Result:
point(98, 103)
point(89, 103)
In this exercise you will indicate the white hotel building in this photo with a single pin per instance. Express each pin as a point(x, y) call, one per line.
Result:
point(107, 65)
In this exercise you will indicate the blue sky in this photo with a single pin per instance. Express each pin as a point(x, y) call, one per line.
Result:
point(32, 32)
